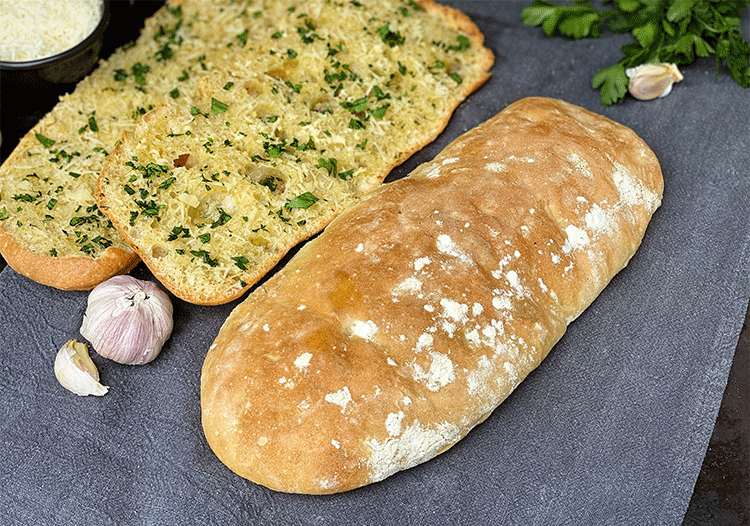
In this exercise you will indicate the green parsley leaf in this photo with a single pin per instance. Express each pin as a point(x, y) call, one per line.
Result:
point(392, 38)
point(217, 106)
point(379, 113)
point(303, 201)
point(330, 165)
point(46, 142)
point(178, 231)
point(206, 257)
point(612, 82)
point(223, 218)
point(676, 31)
point(241, 262)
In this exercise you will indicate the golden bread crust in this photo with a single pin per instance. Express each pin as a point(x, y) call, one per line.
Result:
point(420, 309)
point(66, 273)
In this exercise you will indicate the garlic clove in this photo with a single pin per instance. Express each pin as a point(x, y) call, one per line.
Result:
point(76, 372)
point(650, 81)
point(127, 320)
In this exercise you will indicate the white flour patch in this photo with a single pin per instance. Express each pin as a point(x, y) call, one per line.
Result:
point(327, 483)
point(434, 173)
point(421, 263)
point(341, 398)
point(454, 310)
point(632, 192)
point(580, 165)
point(597, 220)
point(497, 274)
point(359, 248)
point(511, 371)
point(472, 336)
point(409, 285)
point(476, 380)
point(495, 167)
point(364, 329)
point(449, 327)
point(577, 238)
point(416, 444)
point(440, 374)
point(424, 342)
point(501, 302)
point(303, 361)
point(446, 245)
point(514, 281)
point(393, 423)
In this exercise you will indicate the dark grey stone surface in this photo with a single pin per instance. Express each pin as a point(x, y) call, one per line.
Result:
point(611, 429)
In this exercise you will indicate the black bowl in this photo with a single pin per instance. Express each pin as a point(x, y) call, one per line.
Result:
point(67, 67)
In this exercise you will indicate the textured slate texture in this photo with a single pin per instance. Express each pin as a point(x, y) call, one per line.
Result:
point(611, 429)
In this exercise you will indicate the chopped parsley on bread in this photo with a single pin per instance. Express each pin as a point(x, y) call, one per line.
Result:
point(300, 120)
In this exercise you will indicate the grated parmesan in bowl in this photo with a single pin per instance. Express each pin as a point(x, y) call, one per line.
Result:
point(37, 29)
point(48, 42)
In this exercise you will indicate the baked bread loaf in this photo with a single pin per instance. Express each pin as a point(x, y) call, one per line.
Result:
point(417, 311)
point(212, 191)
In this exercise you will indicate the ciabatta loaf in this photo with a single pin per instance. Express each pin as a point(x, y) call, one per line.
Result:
point(213, 191)
point(419, 310)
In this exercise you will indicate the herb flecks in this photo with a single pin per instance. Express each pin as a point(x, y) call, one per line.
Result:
point(303, 201)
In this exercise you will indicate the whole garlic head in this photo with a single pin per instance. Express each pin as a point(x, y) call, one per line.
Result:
point(127, 320)
point(76, 372)
point(649, 81)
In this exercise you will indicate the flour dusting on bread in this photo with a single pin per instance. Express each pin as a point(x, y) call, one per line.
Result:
point(420, 327)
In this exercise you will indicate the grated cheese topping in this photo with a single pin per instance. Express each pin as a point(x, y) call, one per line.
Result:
point(295, 127)
point(335, 110)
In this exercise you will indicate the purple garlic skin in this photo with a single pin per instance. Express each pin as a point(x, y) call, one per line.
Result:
point(127, 320)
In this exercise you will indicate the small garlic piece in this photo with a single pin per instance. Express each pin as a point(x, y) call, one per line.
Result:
point(649, 81)
point(127, 320)
point(76, 372)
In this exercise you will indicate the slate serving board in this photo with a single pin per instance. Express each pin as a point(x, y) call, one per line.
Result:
point(611, 429)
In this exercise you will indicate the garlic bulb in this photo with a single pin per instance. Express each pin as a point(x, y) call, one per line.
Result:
point(649, 81)
point(127, 320)
point(76, 372)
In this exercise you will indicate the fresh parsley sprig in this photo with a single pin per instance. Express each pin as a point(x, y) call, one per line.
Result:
point(676, 31)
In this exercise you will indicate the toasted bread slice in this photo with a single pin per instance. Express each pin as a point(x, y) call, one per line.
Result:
point(50, 227)
point(212, 191)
